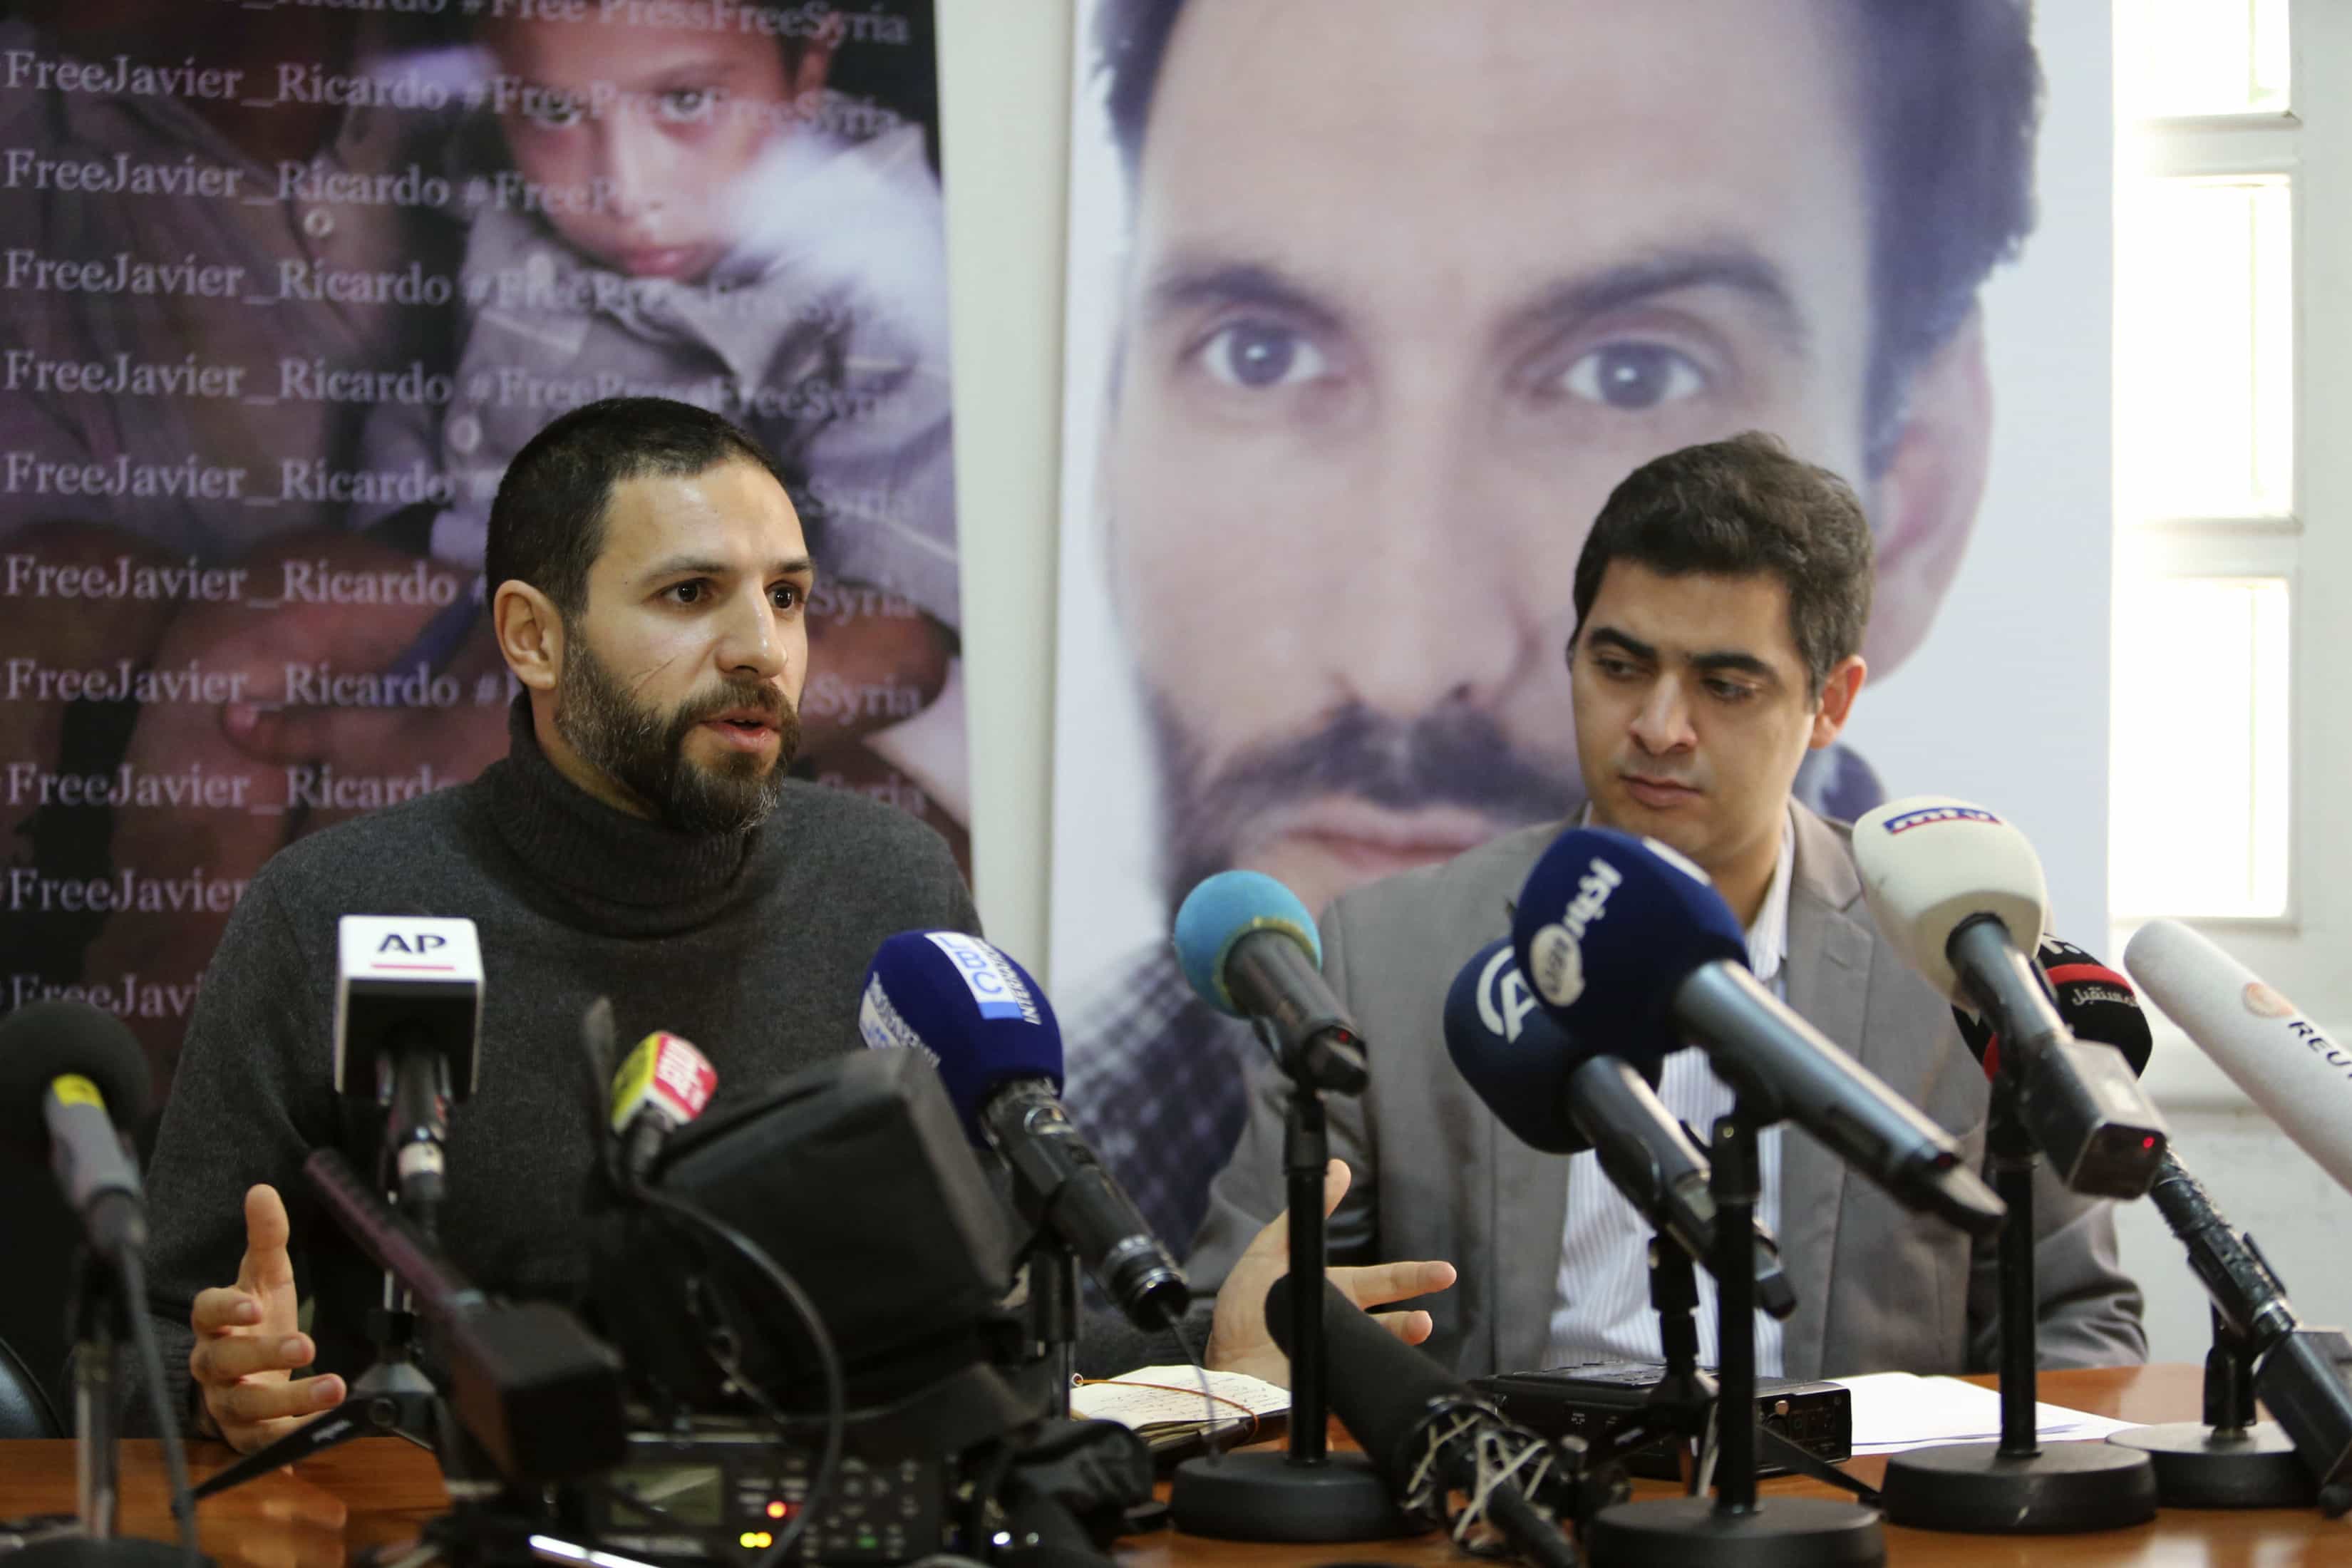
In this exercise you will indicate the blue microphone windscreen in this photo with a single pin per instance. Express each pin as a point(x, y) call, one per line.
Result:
point(1510, 1052)
point(1607, 926)
point(1226, 908)
point(971, 1009)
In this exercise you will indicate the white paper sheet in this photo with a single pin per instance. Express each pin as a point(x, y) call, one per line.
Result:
point(1896, 1410)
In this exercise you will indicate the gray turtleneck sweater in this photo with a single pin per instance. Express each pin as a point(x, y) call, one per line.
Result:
point(753, 946)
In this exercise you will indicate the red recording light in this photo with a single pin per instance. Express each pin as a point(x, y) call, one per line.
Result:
point(2147, 1143)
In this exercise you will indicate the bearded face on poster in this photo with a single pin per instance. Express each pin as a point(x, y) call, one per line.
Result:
point(1407, 290)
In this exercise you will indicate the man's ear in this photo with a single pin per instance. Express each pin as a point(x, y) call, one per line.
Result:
point(1836, 704)
point(1925, 504)
point(530, 632)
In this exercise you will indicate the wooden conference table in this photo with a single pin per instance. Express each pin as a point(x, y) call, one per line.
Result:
point(379, 1490)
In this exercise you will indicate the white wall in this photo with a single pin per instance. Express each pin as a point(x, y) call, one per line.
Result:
point(1005, 84)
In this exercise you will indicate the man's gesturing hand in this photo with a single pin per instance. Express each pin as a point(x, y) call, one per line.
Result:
point(247, 1341)
point(1238, 1340)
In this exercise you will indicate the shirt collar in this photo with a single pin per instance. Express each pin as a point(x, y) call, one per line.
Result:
point(1768, 933)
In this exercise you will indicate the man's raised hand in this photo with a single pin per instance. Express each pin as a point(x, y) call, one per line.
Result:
point(248, 1342)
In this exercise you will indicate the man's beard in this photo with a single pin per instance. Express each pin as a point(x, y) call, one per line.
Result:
point(1449, 757)
point(645, 751)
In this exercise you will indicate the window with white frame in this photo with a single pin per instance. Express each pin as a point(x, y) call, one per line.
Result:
point(2211, 517)
point(2231, 783)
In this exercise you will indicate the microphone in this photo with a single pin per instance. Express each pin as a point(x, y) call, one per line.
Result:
point(980, 1018)
point(1249, 949)
point(2305, 1383)
point(543, 1398)
point(2283, 1060)
point(663, 1085)
point(1561, 1099)
point(72, 1080)
point(1625, 941)
point(1425, 1432)
point(1959, 894)
point(2096, 1005)
point(408, 1008)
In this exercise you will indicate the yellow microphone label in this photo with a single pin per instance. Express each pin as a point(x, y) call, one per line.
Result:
point(72, 1089)
point(636, 1076)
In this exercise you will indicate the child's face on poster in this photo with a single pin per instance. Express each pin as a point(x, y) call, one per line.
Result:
point(638, 137)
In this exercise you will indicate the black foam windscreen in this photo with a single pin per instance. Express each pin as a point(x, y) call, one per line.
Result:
point(44, 1041)
point(2097, 1003)
point(1381, 1388)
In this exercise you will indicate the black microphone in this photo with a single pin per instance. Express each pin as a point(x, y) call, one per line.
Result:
point(1426, 1433)
point(1562, 1100)
point(544, 1399)
point(2301, 1372)
point(72, 1080)
point(987, 1026)
point(1628, 944)
point(1960, 894)
point(1249, 949)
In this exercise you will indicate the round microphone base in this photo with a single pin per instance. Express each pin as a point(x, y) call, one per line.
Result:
point(1779, 1532)
point(115, 1552)
point(1972, 1489)
point(2199, 1465)
point(1268, 1497)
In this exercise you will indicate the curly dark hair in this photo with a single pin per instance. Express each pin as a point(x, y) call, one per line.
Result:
point(1736, 509)
point(1951, 100)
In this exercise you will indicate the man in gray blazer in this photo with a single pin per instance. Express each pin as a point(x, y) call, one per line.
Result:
point(1720, 601)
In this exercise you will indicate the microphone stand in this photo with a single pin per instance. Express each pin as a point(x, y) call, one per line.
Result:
point(392, 1398)
point(1305, 1493)
point(1733, 1529)
point(2016, 1486)
point(2231, 1459)
point(99, 1309)
point(1053, 1313)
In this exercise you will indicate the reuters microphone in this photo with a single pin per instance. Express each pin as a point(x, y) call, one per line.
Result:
point(2285, 1063)
point(2300, 1372)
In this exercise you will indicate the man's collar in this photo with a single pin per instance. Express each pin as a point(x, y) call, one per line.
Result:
point(617, 873)
point(1768, 933)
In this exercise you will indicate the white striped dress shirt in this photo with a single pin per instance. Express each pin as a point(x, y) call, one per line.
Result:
point(1603, 1310)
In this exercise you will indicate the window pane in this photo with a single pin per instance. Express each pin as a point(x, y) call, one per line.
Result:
point(2198, 815)
point(2201, 57)
point(2204, 348)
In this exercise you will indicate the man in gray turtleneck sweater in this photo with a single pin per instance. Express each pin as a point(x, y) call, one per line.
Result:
point(639, 841)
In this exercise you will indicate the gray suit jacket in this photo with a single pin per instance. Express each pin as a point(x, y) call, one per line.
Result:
point(1436, 1176)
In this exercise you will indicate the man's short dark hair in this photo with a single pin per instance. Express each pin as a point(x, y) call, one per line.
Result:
point(1737, 509)
point(1951, 95)
point(547, 524)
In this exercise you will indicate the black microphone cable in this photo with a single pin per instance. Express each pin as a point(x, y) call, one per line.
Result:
point(836, 1398)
